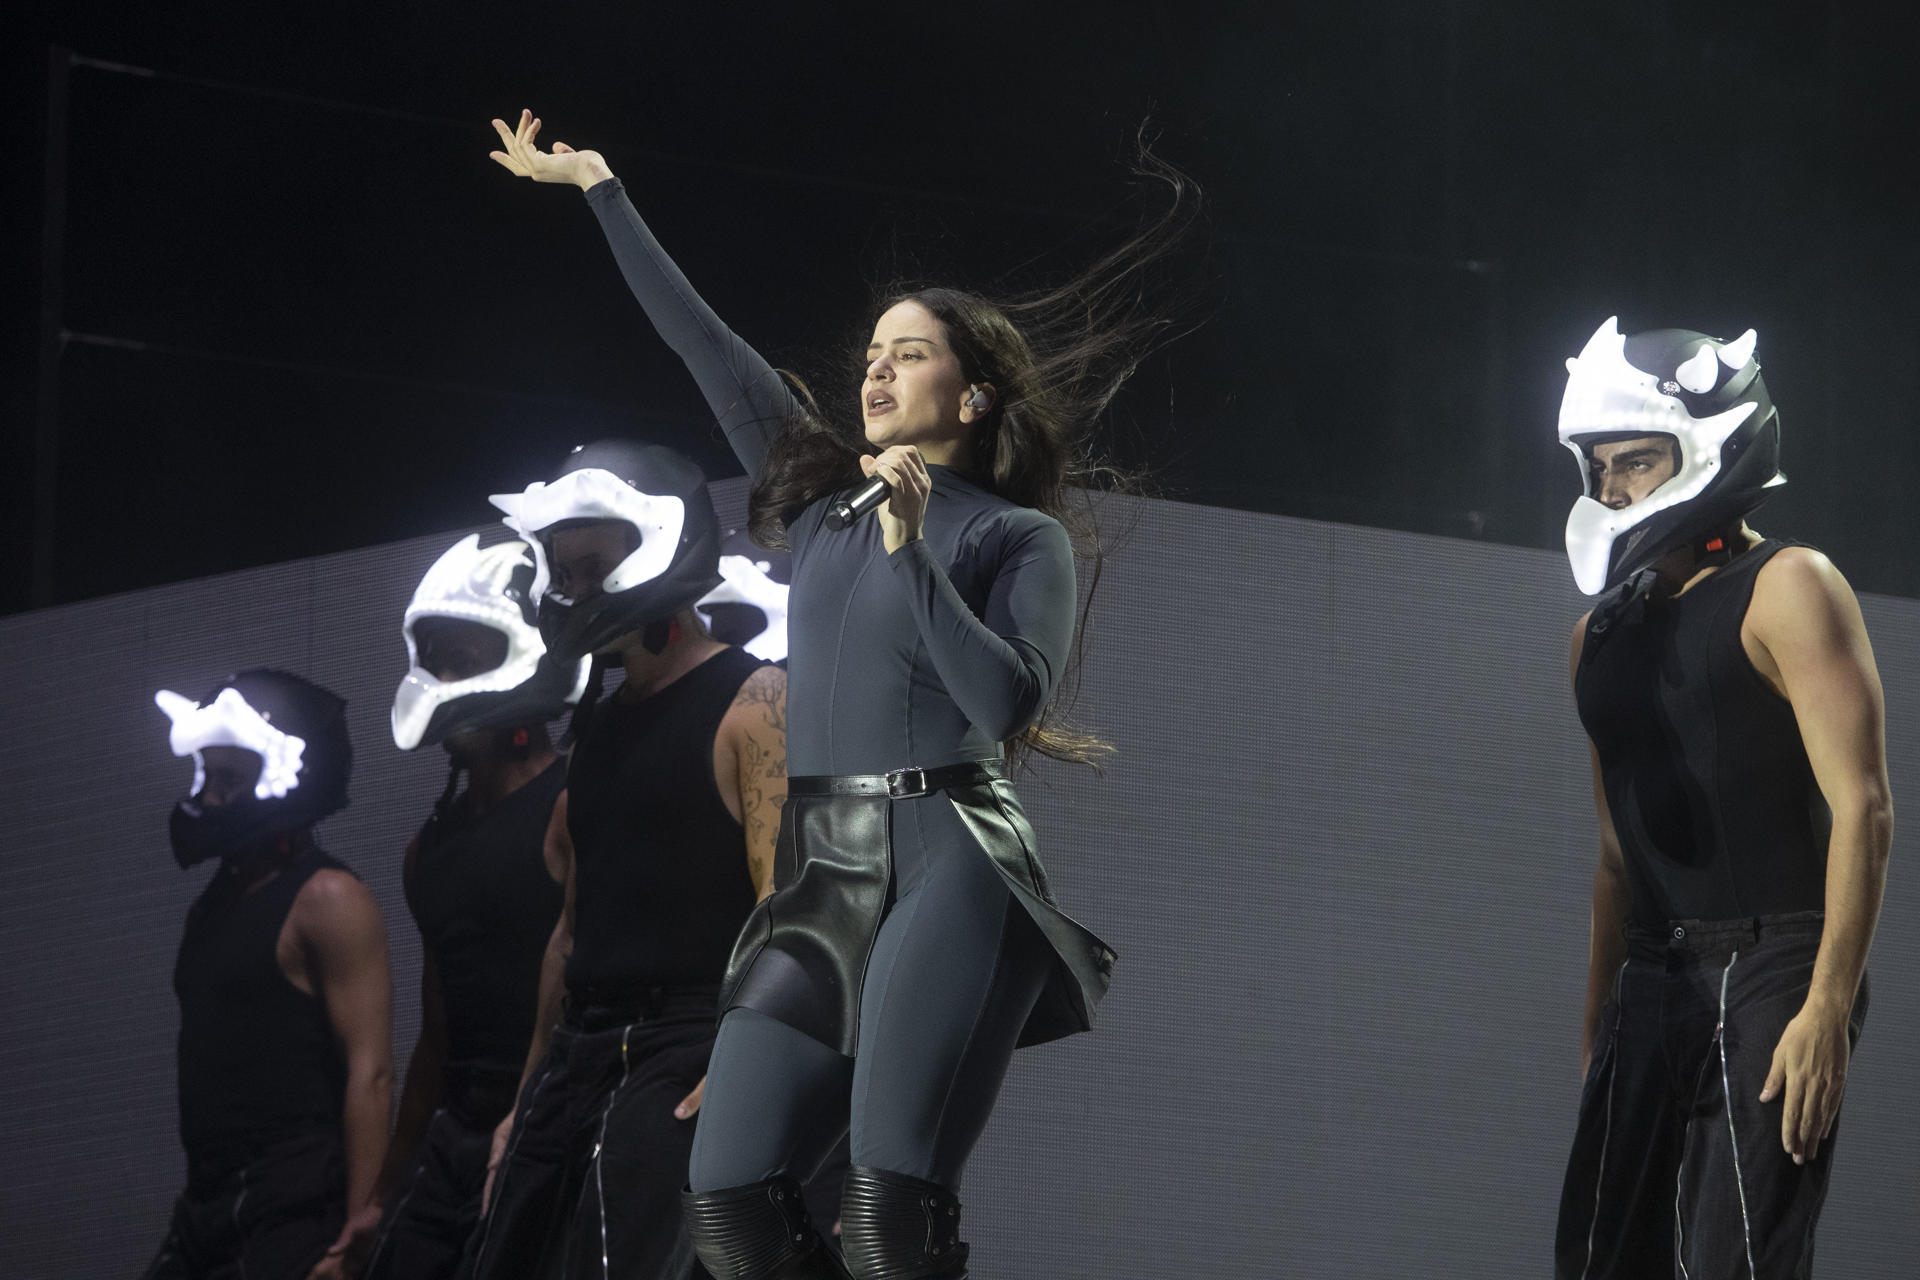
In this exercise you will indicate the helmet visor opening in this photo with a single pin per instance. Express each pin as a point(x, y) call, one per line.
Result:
point(1622, 468)
point(583, 554)
point(452, 649)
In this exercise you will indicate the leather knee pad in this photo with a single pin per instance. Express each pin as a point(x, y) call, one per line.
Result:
point(760, 1231)
point(894, 1227)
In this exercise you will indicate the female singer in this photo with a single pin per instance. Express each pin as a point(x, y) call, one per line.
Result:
point(912, 942)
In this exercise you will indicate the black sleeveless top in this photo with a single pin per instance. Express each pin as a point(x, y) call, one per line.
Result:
point(1705, 774)
point(661, 885)
point(258, 1061)
point(485, 907)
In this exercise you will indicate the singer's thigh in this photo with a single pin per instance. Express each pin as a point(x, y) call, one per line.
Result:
point(955, 971)
point(776, 1104)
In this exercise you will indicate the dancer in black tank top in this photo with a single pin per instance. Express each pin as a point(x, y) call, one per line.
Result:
point(664, 841)
point(480, 886)
point(284, 1058)
point(1729, 692)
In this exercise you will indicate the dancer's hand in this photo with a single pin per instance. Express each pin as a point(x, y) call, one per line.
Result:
point(902, 468)
point(348, 1254)
point(690, 1104)
point(1810, 1066)
point(562, 164)
point(501, 1132)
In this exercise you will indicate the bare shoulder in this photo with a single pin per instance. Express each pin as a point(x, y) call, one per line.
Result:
point(334, 904)
point(1799, 593)
point(1804, 618)
point(331, 889)
point(1800, 575)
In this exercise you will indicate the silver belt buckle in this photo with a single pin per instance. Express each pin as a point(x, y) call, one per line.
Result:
point(905, 783)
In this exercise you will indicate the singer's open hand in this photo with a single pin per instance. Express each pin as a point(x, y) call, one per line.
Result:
point(906, 474)
point(562, 164)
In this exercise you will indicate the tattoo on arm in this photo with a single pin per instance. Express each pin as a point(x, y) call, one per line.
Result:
point(766, 689)
point(762, 755)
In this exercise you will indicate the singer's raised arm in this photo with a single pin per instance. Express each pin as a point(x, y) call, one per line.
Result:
point(746, 395)
point(751, 401)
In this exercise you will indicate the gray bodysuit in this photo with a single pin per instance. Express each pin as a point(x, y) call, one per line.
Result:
point(933, 655)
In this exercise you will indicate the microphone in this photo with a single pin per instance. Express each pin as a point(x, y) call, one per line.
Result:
point(844, 511)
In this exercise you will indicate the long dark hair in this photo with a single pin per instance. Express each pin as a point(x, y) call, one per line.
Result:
point(1056, 358)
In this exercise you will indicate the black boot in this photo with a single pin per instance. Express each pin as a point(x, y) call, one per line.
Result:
point(758, 1232)
point(893, 1227)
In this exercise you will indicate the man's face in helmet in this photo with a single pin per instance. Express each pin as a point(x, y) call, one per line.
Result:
point(1624, 472)
point(457, 649)
point(231, 773)
point(453, 649)
point(581, 553)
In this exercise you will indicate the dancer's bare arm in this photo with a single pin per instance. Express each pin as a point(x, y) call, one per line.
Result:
point(341, 945)
point(1806, 637)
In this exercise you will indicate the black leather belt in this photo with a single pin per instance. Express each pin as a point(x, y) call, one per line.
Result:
point(900, 784)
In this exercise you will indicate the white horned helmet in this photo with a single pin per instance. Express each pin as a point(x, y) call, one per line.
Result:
point(661, 496)
point(299, 731)
point(1704, 394)
point(492, 587)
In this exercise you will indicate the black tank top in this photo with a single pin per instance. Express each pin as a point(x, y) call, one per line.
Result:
point(485, 907)
point(1705, 774)
point(660, 868)
point(258, 1061)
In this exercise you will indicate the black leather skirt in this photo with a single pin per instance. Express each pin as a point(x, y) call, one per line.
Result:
point(802, 957)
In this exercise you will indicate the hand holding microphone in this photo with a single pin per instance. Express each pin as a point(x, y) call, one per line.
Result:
point(898, 466)
point(897, 490)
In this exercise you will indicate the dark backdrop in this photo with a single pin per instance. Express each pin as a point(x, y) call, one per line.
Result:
point(303, 311)
point(1344, 852)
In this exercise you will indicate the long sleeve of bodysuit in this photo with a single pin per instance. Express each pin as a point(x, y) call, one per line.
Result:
point(1001, 666)
point(751, 401)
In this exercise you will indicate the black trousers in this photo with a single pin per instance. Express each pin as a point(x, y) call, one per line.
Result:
point(434, 1213)
point(266, 1215)
point(1677, 1166)
point(590, 1182)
